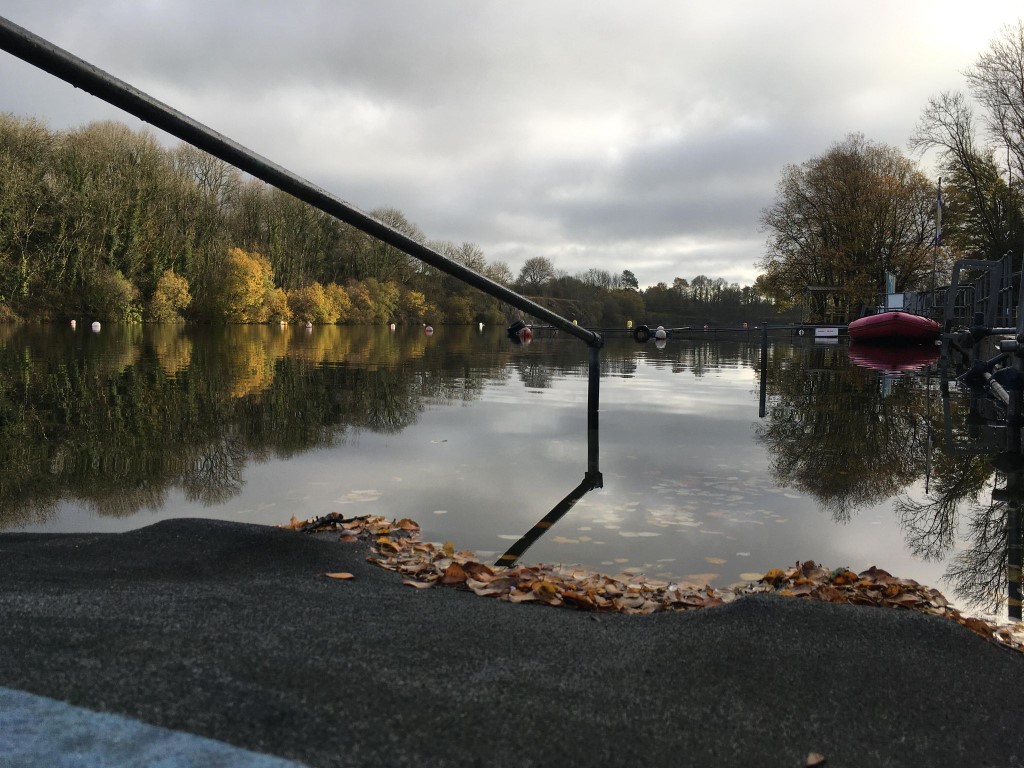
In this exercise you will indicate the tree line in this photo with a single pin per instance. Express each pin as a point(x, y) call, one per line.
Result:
point(843, 220)
point(104, 222)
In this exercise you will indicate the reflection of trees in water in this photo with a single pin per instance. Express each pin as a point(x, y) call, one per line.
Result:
point(114, 420)
point(544, 361)
point(967, 509)
point(851, 438)
point(978, 572)
point(931, 526)
point(835, 432)
point(215, 474)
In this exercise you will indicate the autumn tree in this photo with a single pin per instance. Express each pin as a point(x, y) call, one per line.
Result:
point(983, 215)
point(843, 220)
point(24, 146)
point(628, 280)
point(245, 290)
point(311, 303)
point(997, 82)
point(170, 299)
point(535, 274)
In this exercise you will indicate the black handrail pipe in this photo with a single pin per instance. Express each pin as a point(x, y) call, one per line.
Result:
point(43, 54)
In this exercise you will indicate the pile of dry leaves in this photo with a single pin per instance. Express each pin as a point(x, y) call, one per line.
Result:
point(395, 546)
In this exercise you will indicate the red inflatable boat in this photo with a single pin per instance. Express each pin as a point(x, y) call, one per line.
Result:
point(894, 327)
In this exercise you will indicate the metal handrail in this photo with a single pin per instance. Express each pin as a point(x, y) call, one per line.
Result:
point(43, 54)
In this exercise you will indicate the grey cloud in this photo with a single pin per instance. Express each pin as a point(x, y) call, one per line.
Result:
point(578, 129)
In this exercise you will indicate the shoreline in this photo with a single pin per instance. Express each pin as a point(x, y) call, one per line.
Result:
point(230, 632)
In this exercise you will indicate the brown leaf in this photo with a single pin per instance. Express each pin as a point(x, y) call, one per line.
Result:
point(830, 594)
point(978, 625)
point(454, 574)
point(846, 577)
point(579, 599)
point(478, 571)
point(348, 537)
point(418, 584)
point(339, 575)
point(814, 759)
point(516, 596)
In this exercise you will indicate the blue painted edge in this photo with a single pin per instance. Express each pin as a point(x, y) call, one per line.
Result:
point(37, 731)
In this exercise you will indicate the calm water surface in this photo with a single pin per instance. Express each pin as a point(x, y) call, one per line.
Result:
point(478, 440)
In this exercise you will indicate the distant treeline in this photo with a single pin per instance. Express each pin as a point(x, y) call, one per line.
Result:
point(105, 223)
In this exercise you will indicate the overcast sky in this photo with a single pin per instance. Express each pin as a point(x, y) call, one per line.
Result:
point(645, 136)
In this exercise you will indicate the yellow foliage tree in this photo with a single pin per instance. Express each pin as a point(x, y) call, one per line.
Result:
point(247, 282)
point(362, 312)
point(338, 297)
point(276, 306)
point(170, 298)
point(414, 307)
point(312, 304)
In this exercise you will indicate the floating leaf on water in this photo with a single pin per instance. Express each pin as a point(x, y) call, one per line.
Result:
point(701, 578)
point(751, 576)
point(715, 560)
point(344, 575)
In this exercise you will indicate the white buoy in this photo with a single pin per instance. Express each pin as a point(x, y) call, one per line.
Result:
point(480, 326)
point(660, 334)
point(309, 326)
point(429, 331)
point(73, 324)
point(392, 326)
point(96, 325)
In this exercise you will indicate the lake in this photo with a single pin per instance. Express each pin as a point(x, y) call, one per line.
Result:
point(479, 439)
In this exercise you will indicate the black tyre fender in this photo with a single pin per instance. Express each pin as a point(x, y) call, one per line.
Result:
point(642, 334)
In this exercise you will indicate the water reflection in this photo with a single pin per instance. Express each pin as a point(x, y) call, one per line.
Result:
point(592, 480)
point(977, 490)
point(840, 432)
point(853, 430)
point(136, 418)
point(116, 419)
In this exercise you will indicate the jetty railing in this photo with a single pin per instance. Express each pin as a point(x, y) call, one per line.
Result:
point(43, 54)
point(981, 288)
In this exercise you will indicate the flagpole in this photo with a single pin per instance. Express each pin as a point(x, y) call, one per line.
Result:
point(938, 237)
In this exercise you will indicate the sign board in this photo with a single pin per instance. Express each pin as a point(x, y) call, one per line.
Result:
point(894, 301)
point(826, 333)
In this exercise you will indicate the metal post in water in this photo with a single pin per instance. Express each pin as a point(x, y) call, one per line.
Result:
point(593, 379)
point(763, 407)
point(1013, 558)
point(1014, 415)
